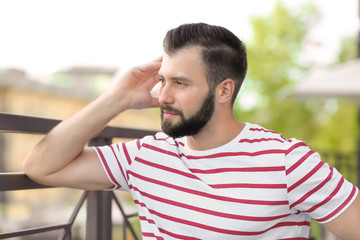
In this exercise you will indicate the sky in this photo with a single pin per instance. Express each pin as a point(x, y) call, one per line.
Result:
point(42, 36)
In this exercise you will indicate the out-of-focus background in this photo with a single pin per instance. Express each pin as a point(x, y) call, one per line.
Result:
point(57, 56)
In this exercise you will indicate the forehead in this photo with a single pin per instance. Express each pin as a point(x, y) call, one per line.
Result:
point(186, 62)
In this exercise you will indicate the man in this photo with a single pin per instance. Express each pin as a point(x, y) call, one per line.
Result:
point(207, 176)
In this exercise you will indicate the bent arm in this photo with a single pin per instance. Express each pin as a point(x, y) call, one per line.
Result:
point(347, 225)
point(60, 159)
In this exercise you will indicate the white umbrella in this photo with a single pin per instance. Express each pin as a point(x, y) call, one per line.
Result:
point(342, 81)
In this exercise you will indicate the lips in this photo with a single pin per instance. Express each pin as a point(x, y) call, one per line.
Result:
point(169, 112)
point(169, 115)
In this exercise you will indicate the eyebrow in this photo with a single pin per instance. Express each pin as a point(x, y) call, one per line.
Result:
point(176, 78)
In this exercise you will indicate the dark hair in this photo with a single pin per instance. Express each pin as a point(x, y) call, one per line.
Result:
point(223, 54)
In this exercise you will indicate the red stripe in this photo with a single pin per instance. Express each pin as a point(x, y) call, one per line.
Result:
point(248, 185)
point(200, 225)
point(340, 207)
point(307, 195)
point(207, 195)
point(295, 238)
point(118, 162)
point(117, 185)
point(143, 218)
point(245, 140)
point(234, 154)
point(166, 140)
point(306, 177)
point(231, 185)
point(126, 153)
point(336, 190)
point(298, 163)
point(220, 230)
point(248, 169)
point(145, 234)
point(178, 236)
point(224, 154)
point(158, 166)
point(299, 144)
point(207, 211)
point(267, 131)
point(262, 130)
point(160, 150)
point(138, 143)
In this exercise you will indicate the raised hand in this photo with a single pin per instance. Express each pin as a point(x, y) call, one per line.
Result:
point(133, 87)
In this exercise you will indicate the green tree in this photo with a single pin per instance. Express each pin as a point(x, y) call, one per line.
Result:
point(341, 130)
point(273, 61)
point(349, 49)
point(273, 74)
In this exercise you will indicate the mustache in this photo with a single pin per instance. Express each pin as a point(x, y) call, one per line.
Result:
point(170, 109)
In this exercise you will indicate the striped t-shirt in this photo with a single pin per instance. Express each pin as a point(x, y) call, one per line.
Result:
point(258, 186)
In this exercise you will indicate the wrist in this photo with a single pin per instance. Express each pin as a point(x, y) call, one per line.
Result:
point(111, 104)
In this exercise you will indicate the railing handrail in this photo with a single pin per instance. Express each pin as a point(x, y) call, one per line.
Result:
point(17, 181)
point(99, 203)
point(39, 125)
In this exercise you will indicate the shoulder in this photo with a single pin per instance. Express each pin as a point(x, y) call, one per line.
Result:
point(257, 134)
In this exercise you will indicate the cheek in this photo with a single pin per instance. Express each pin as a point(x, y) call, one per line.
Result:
point(191, 104)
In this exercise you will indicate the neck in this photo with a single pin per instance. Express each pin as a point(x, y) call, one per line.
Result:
point(216, 133)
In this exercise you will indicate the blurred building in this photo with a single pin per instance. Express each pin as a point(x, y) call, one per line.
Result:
point(88, 78)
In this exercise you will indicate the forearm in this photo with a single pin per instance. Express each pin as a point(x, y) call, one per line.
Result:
point(60, 158)
point(67, 140)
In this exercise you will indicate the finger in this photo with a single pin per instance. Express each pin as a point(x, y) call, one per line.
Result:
point(154, 65)
point(158, 59)
point(149, 67)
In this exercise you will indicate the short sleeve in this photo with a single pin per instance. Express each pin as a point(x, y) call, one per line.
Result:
point(313, 186)
point(116, 160)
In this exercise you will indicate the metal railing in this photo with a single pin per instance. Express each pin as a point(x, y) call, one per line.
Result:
point(99, 203)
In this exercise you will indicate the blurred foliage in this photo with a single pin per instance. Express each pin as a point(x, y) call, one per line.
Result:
point(328, 126)
point(273, 74)
point(339, 125)
point(349, 50)
point(273, 60)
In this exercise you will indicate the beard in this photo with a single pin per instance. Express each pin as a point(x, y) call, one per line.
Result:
point(191, 125)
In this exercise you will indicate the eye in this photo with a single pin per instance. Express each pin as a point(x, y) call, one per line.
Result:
point(162, 81)
point(180, 83)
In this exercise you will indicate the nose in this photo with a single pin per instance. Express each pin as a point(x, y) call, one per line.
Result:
point(166, 94)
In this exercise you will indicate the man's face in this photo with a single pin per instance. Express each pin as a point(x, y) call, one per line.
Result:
point(186, 102)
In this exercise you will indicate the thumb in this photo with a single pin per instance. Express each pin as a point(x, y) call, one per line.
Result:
point(150, 67)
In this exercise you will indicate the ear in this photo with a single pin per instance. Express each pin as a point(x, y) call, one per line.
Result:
point(225, 90)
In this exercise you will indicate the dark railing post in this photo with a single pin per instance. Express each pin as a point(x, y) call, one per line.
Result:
point(99, 222)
